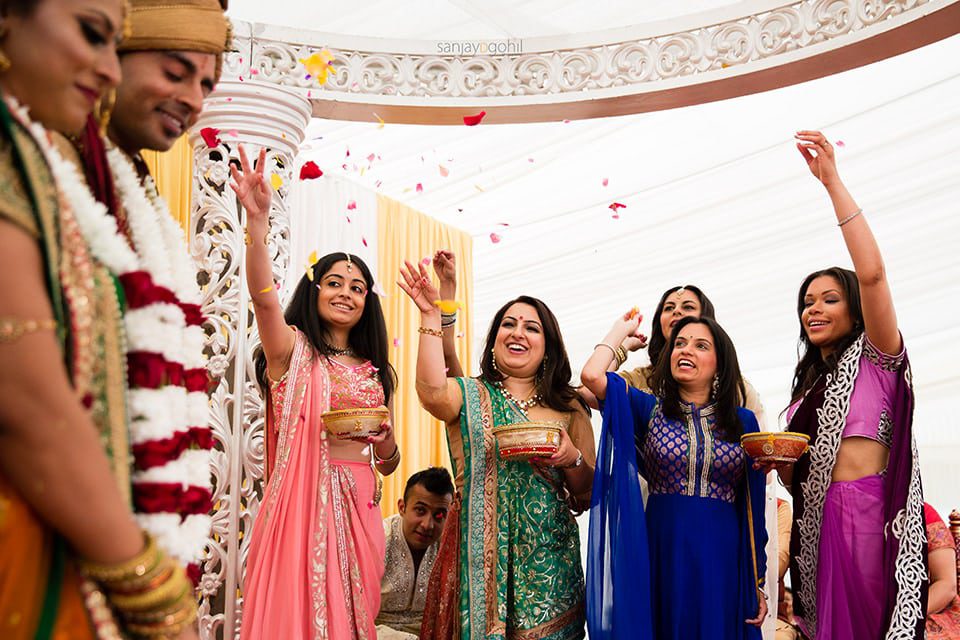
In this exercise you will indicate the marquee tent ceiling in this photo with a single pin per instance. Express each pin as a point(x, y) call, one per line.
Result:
point(444, 19)
point(715, 195)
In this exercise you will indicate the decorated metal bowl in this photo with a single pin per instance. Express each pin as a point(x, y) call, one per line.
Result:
point(355, 424)
point(525, 440)
point(774, 446)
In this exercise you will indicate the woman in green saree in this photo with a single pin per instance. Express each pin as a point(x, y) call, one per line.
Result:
point(509, 563)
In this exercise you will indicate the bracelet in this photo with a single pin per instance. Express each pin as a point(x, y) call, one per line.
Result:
point(431, 332)
point(11, 329)
point(849, 218)
point(247, 240)
point(448, 319)
point(604, 344)
point(621, 355)
point(142, 564)
point(393, 456)
point(576, 463)
point(164, 595)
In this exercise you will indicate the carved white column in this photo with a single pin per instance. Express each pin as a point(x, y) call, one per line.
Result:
point(256, 115)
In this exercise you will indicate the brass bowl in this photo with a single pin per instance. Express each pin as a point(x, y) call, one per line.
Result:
point(525, 440)
point(774, 446)
point(355, 424)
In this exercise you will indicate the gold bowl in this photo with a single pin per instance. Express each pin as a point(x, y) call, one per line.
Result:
point(355, 424)
point(775, 446)
point(525, 440)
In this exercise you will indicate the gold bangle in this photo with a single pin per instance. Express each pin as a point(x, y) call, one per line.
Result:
point(431, 332)
point(140, 565)
point(169, 627)
point(247, 240)
point(169, 615)
point(151, 580)
point(621, 355)
point(393, 456)
point(166, 594)
point(12, 329)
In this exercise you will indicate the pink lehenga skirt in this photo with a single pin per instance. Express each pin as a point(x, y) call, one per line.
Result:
point(317, 549)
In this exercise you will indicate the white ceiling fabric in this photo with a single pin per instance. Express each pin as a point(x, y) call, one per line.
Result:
point(463, 19)
point(716, 196)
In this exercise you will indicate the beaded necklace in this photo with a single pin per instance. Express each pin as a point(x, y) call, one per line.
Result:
point(532, 401)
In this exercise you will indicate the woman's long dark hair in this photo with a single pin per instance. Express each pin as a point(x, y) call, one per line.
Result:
point(657, 340)
point(730, 384)
point(554, 374)
point(368, 338)
point(811, 364)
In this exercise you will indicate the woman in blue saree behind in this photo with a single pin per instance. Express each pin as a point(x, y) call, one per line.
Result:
point(700, 572)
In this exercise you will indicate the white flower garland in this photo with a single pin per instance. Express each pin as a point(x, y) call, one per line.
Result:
point(99, 228)
point(160, 251)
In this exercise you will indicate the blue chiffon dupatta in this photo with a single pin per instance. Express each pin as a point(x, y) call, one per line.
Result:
point(618, 564)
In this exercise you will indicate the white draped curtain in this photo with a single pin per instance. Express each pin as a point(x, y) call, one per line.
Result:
point(329, 214)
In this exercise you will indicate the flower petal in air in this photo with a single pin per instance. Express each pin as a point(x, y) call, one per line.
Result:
point(474, 120)
point(211, 136)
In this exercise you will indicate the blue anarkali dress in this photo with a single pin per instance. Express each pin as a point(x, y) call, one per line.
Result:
point(704, 525)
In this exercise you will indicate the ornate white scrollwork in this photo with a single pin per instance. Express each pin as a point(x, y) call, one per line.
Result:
point(680, 50)
point(217, 244)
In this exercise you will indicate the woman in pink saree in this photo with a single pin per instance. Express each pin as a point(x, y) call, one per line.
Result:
point(316, 553)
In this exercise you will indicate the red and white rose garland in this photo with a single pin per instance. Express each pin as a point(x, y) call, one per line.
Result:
point(167, 396)
point(167, 403)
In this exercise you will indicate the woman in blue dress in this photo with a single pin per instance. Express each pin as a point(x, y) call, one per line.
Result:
point(693, 568)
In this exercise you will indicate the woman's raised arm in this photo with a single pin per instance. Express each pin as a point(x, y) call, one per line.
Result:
point(879, 316)
point(255, 196)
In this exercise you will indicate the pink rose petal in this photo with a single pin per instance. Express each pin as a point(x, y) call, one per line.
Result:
point(419, 188)
point(396, 342)
point(351, 205)
point(605, 182)
point(494, 238)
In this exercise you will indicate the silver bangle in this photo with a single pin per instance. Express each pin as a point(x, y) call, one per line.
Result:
point(604, 344)
point(849, 218)
point(576, 463)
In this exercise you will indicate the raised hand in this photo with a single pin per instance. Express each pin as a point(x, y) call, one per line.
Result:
point(635, 343)
point(445, 266)
point(627, 326)
point(819, 155)
point(415, 282)
point(251, 188)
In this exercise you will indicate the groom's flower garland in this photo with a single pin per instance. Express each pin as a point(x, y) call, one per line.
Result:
point(166, 400)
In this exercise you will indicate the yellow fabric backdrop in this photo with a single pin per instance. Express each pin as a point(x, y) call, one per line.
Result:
point(173, 172)
point(404, 233)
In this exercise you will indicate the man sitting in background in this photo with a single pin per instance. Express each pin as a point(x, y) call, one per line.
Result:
point(412, 538)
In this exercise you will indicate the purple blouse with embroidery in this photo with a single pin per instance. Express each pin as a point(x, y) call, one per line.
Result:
point(689, 458)
point(870, 402)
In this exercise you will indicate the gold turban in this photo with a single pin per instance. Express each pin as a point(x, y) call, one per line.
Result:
point(178, 25)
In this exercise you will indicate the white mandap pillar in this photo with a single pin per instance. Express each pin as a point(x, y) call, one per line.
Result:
point(256, 115)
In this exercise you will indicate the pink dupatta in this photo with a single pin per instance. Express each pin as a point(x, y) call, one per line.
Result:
point(316, 552)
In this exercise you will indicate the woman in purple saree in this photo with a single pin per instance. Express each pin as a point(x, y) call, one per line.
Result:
point(858, 546)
